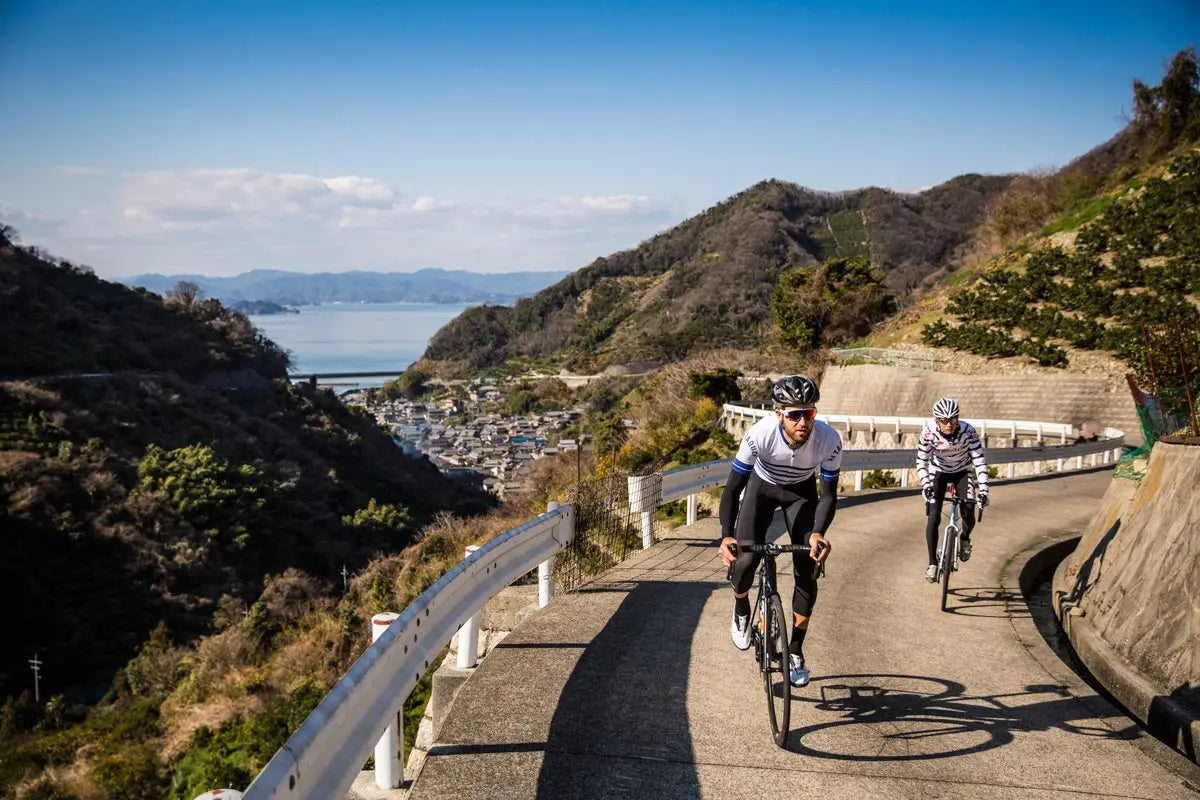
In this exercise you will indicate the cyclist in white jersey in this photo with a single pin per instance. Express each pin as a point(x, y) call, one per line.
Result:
point(945, 450)
point(777, 464)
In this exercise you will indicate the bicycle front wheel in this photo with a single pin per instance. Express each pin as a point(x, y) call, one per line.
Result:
point(775, 669)
point(948, 542)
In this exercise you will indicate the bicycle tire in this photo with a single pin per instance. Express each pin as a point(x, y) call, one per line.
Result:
point(775, 670)
point(947, 561)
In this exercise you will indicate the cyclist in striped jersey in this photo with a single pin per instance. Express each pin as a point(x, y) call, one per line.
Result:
point(947, 447)
point(777, 464)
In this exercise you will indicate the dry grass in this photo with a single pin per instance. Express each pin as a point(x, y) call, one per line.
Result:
point(180, 719)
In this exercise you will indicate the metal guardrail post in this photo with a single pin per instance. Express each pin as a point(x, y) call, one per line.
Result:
point(221, 794)
point(645, 495)
point(546, 571)
point(693, 507)
point(468, 634)
point(389, 750)
point(647, 530)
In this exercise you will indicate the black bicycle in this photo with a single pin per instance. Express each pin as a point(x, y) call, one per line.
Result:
point(769, 634)
point(948, 548)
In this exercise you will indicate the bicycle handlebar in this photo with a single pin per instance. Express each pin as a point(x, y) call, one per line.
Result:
point(774, 549)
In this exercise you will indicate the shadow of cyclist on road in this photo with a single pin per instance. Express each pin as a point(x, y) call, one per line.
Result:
point(913, 717)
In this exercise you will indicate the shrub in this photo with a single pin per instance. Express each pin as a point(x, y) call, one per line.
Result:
point(719, 385)
point(214, 496)
point(240, 747)
point(879, 479)
point(156, 669)
point(379, 519)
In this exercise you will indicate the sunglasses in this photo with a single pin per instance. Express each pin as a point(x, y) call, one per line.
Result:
point(945, 420)
point(797, 414)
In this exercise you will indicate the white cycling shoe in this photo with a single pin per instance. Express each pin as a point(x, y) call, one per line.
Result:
point(739, 629)
point(931, 573)
point(798, 674)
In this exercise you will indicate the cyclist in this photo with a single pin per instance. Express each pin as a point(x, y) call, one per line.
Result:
point(946, 447)
point(777, 464)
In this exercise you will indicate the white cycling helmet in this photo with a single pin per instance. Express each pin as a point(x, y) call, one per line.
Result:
point(945, 408)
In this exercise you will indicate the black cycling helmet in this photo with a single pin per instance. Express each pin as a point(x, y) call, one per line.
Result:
point(795, 390)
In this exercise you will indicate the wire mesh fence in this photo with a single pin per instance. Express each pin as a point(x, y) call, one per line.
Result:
point(606, 530)
point(1165, 392)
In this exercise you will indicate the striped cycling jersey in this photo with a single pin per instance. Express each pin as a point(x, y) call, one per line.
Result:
point(765, 451)
point(936, 453)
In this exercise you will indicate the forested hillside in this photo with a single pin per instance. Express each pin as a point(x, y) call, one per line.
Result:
point(156, 471)
point(709, 281)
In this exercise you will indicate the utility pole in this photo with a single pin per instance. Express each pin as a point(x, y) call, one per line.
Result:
point(345, 579)
point(37, 677)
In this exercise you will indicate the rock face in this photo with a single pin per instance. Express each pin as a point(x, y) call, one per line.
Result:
point(1133, 584)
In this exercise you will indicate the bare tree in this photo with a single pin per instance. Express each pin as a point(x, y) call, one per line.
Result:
point(185, 294)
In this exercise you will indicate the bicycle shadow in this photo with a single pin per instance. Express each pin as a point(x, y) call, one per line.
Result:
point(986, 601)
point(913, 718)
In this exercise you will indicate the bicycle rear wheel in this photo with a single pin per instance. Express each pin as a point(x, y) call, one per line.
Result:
point(947, 565)
point(775, 669)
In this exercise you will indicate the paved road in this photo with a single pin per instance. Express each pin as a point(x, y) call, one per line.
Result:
point(630, 688)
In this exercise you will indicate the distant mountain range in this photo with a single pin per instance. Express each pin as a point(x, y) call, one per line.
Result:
point(299, 288)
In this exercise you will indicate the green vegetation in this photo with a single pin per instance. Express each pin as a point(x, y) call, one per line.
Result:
point(178, 521)
point(215, 497)
point(719, 385)
point(1132, 268)
point(238, 748)
point(831, 305)
point(880, 479)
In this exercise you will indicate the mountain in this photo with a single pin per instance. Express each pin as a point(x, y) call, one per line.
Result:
point(299, 288)
point(708, 282)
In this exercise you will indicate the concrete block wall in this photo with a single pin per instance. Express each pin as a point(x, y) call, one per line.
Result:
point(1066, 397)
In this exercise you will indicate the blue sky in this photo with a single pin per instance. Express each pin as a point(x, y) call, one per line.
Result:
point(219, 137)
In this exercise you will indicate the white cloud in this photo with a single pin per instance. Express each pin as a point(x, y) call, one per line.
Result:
point(221, 222)
point(427, 203)
point(615, 203)
point(181, 199)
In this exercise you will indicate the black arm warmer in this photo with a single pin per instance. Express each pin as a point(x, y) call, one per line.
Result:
point(826, 506)
point(729, 500)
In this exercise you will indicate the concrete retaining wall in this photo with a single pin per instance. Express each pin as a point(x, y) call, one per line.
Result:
point(877, 389)
point(1129, 595)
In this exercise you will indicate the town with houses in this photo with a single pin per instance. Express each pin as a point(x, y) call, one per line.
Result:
point(466, 441)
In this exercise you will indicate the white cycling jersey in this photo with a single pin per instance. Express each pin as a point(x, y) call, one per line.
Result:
point(765, 451)
point(938, 453)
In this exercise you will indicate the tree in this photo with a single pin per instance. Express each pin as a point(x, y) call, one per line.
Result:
point(719, 385)
point(1168, 114)
point(185, 294)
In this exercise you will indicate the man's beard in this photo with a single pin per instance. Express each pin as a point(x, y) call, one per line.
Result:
point(801, 440)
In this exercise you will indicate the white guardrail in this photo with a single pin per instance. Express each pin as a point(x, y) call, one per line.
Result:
point(323, 757)
point(647, 492)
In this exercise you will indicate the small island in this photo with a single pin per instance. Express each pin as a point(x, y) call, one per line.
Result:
point(263, 307)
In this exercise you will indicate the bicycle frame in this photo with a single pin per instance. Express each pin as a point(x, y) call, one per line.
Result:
point(768, 634)
point(947, 552)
